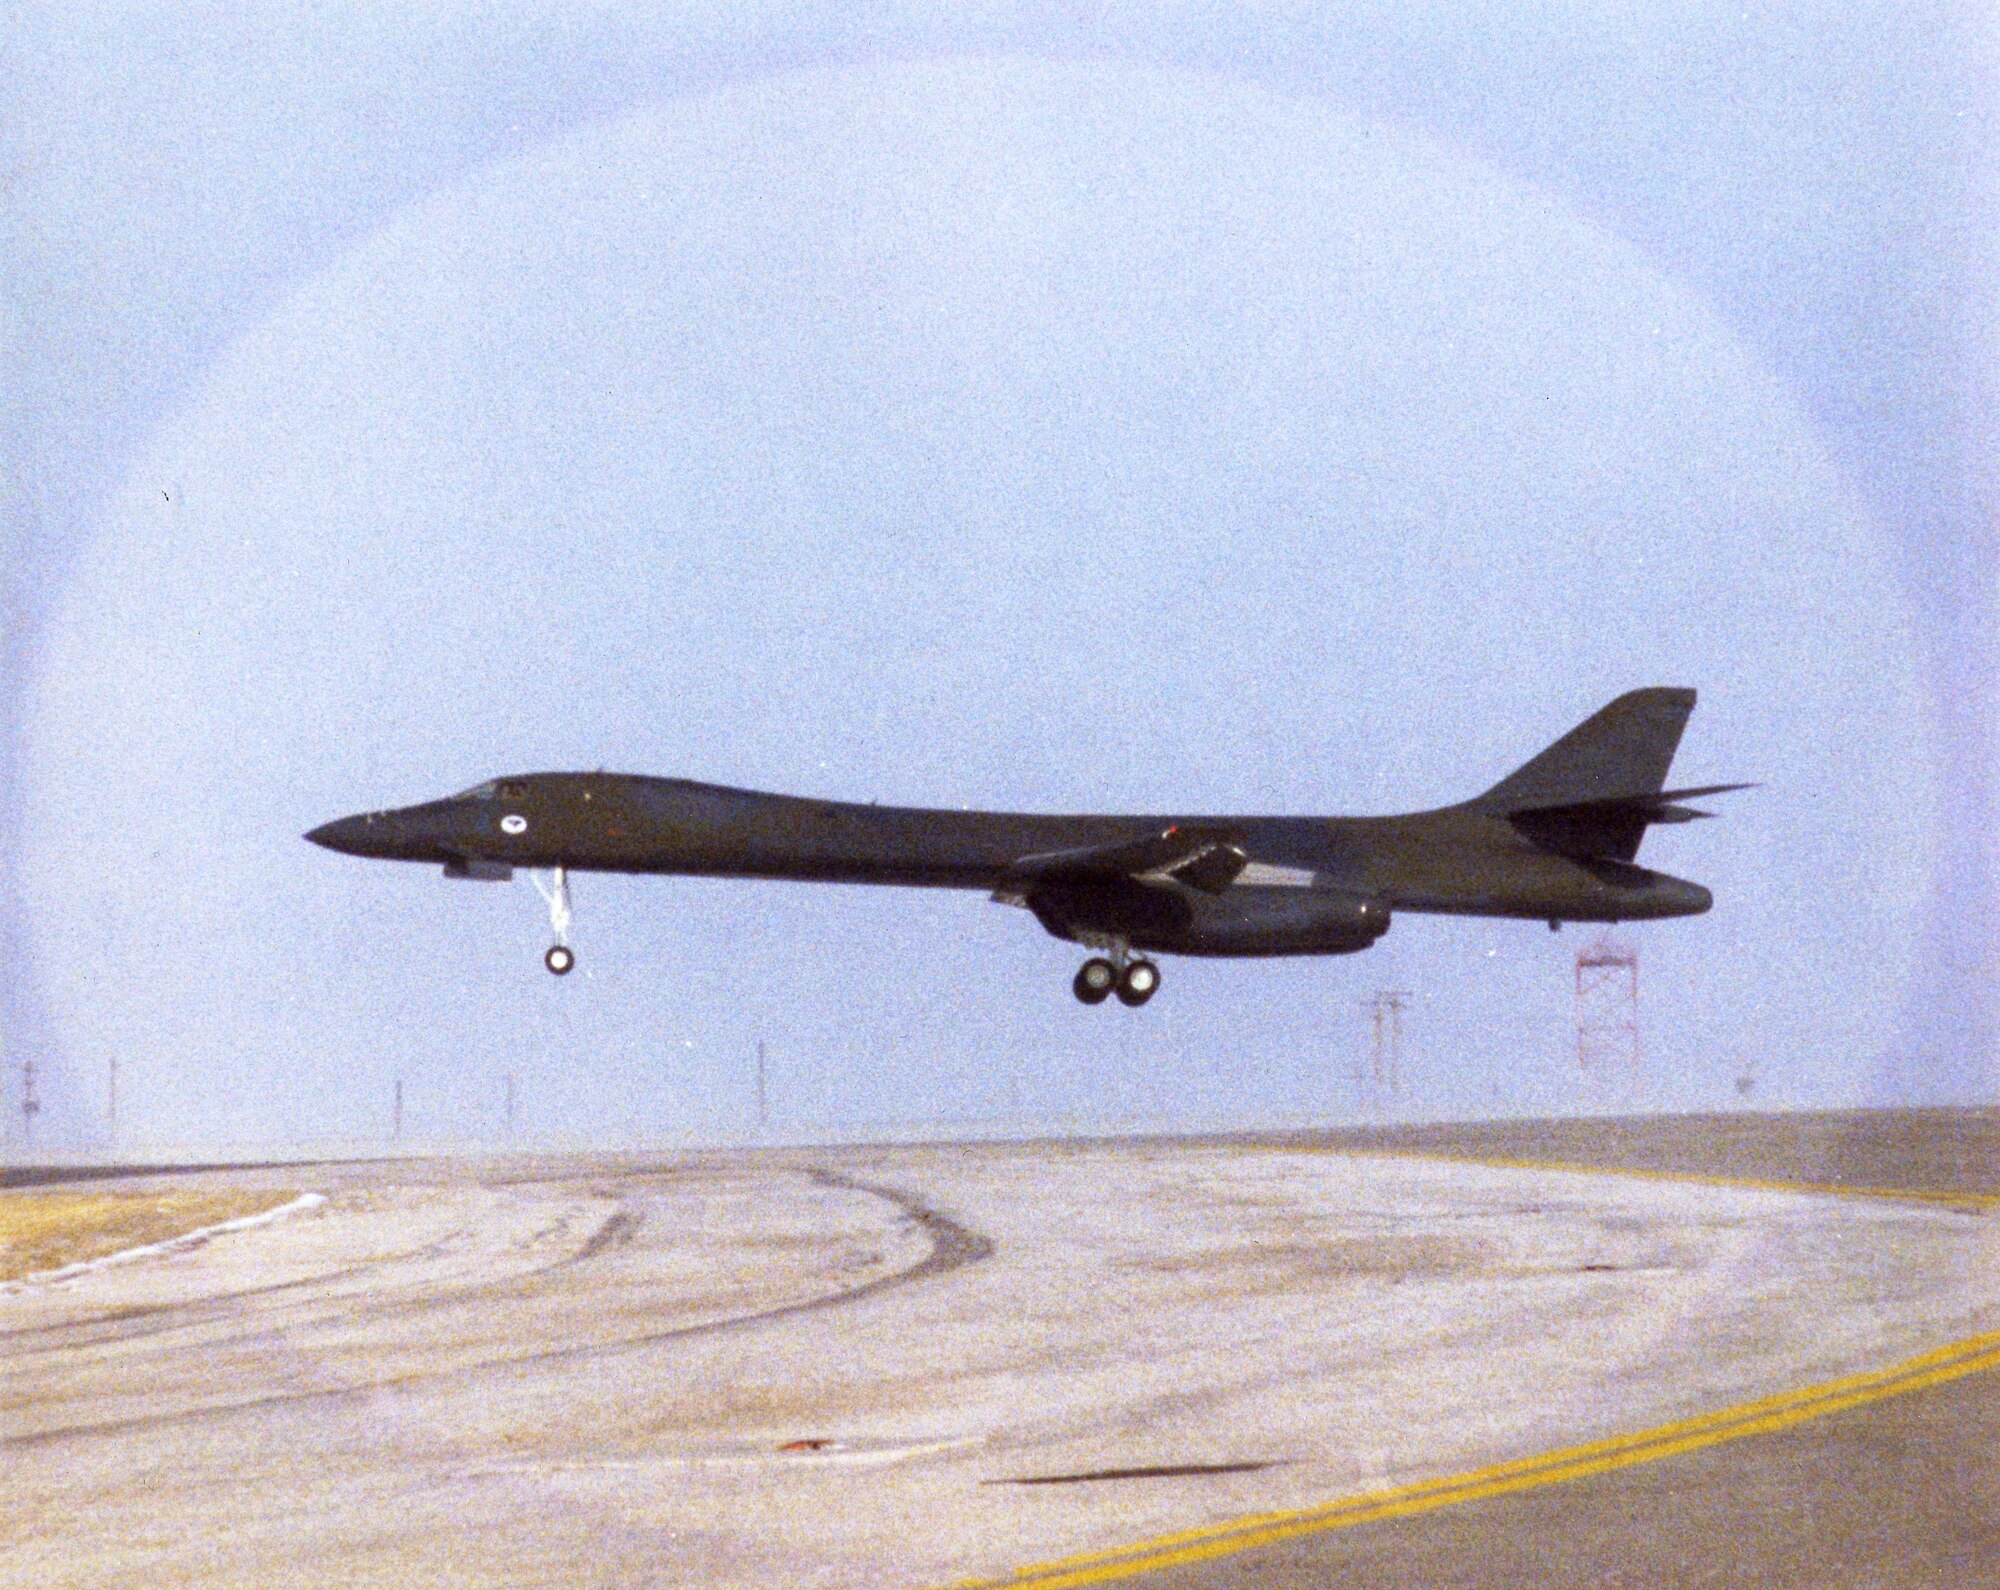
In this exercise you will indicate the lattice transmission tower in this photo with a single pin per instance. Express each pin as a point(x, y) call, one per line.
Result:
point(1607, 1018)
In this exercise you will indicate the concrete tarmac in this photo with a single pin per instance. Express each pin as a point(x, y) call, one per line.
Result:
point(921, 1365)
point(1904, 1491)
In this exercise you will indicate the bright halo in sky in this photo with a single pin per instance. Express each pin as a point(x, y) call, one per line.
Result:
point(991, 433)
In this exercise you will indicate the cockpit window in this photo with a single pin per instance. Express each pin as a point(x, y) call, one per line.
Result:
point(511, 789)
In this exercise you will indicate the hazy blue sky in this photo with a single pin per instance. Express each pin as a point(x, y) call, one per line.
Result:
point(1302, 410)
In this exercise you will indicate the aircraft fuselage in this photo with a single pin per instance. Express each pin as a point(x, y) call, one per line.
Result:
point(1453, 860)
point(1554, 842)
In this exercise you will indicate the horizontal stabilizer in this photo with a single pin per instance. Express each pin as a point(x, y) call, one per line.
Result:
point(1697, 792)
point(1609, 830)
point(1204, 859)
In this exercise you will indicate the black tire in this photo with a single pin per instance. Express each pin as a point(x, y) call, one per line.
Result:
point(1139, 984)
point(1095, 980)
point(559, 959)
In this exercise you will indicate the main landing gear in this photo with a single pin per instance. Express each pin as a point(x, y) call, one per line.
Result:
point(1134, 981)
point(560, 958)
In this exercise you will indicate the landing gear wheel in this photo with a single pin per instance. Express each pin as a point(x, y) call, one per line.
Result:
point(1095, 980)
point(556, 894)
point(1140, 982)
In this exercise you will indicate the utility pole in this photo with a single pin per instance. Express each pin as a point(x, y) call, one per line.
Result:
point(763, 1103)
point(111, 1103)
point(1385, 1077)
point(510, 1106)
point(396, 1127)
point(31, 1106)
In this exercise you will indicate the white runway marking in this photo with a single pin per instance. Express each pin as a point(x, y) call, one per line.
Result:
point(186, 1242)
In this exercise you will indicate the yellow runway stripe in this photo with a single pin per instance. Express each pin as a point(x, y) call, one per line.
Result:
point(1969, 1356)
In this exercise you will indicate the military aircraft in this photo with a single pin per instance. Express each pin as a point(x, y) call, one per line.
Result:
point(1554, 841)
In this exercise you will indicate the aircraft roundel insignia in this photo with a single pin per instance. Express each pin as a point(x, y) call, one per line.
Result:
point(513, 823)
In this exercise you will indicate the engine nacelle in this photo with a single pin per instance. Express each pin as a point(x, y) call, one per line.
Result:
point(1285, 922)
point(1239, 921)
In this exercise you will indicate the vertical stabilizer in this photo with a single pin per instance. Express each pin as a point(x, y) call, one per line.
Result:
point(1622, 750)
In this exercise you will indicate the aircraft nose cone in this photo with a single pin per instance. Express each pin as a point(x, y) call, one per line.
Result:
point(344, 834)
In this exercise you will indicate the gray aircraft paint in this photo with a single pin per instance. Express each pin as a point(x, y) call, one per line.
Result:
point(1554, 841)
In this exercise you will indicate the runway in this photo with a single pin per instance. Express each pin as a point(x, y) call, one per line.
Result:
point(1303, 1360)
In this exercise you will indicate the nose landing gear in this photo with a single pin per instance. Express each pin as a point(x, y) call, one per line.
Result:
point(560, 958)
point(1134, 981)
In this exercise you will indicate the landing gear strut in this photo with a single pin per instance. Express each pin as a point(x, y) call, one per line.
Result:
point(1133, 980)
point(560, 958)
